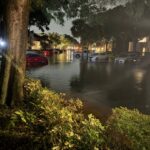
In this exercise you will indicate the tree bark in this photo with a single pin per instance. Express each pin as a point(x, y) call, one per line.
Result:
point(135, 41)
point(121, 45)
point(17, 14)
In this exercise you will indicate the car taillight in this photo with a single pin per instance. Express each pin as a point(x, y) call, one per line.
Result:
point(46, 53)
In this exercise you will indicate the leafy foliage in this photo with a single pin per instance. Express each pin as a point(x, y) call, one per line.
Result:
point(88, 33)
point(55, 40)
point(51, 121)
point(122, 21)
point(60, 122)
point(129, 129)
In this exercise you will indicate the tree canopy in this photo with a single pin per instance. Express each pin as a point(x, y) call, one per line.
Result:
point(126, 20)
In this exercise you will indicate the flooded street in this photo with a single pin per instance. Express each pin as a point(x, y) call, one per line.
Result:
point(101, 86)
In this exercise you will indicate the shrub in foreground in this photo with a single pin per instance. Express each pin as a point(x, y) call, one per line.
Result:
point(128, 129)
point(58, 122)
point(48, 120)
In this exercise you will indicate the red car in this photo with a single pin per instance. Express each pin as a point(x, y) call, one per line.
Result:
point(48, 52)
point(33, 58)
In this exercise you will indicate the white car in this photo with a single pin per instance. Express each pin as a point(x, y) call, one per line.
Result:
point(120, 60)
point(101, 57)
point(127, 58)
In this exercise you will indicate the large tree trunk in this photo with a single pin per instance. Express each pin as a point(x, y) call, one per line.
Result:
point(121, 45)
point(135, 41)
point(14, 69)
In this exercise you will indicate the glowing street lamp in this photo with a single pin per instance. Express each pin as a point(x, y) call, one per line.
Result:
point(2, 43)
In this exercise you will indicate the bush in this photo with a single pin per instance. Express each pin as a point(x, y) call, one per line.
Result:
point(48, 120)
point(128, 129)
point(58, 122)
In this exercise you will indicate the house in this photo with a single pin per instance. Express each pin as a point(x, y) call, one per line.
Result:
point(38, 41)
point(142, 45)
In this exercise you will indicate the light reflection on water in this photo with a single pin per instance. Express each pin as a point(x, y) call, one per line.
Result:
point(101, 86)
point(139, 75)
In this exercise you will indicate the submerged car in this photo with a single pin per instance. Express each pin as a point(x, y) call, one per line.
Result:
point(128, 58)
point(121, 59)
point(34, 58)
point(99, 57)
point(77, 54)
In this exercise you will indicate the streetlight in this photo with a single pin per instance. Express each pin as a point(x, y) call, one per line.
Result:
point(2, 43)
point(2, 46)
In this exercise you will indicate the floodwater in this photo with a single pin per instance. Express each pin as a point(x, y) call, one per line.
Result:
point(101, 86)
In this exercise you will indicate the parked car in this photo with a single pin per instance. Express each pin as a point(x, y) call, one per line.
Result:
point(33, 58)
point(77, 54)
point(121, 59)
point(82, 54)
point(128, 58)
point(99, 57)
